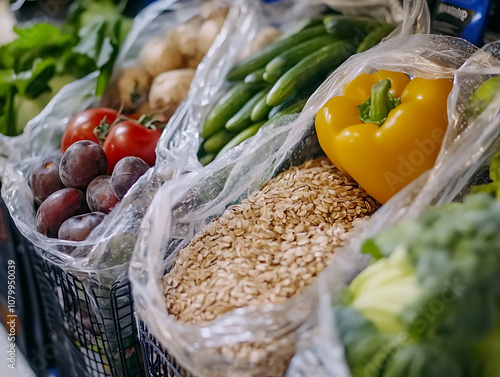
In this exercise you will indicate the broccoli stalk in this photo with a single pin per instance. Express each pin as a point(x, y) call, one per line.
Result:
point(391, 281)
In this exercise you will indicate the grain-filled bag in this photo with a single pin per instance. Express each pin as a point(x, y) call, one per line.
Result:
point(254, 338)
point(465, 163)
point(182, 135)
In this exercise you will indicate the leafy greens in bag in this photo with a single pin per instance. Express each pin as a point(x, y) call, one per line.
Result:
point(44, 58)
point(429, 305)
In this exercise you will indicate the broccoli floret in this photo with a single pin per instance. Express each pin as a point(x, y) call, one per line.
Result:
point(429, 305)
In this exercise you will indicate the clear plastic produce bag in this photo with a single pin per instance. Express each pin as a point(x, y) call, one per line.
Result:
point(42, 138)
point(86, 283)
point(184, 207)
point(209, 84)
point(471, 142)
point(391, 10)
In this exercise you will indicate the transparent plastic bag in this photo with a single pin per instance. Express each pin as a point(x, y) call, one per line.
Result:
point(36, 140)
point(7, 145)
point(470, 146)
point(47, 127)
point(111, 244)
point(184, 207)
point(85, 284)
point(209, 84)
point(388, 10)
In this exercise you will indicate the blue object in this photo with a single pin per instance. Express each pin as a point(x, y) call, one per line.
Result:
point(53, 373)
point(462, 18)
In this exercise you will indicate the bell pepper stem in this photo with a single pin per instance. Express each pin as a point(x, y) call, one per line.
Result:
point(380, 105)
point(376, 108)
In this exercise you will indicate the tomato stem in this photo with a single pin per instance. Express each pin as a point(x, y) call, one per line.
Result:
point(102, 130)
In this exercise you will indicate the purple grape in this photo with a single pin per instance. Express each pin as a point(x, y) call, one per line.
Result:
point(100, 196)
point(78, 228)
point(45, 178)
point(81, 163)
point(57, 208)
point(126, 172)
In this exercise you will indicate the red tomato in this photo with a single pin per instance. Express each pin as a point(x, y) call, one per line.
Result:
point(81, 126)
point(129, 138)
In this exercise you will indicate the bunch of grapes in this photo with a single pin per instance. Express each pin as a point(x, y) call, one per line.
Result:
point(74, 192)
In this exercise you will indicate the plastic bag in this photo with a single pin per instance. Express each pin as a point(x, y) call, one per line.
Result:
point(388, 10)
point(74, 97)
point(85, 287)
point(181, 136)
point(209, 84)
point(183, 207)
point(461, 165)
point(111, 244)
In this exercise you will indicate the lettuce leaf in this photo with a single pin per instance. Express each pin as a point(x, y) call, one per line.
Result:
point(43, 53)
point(37, 42)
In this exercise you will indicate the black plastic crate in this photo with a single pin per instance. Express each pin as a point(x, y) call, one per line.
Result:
point(33, 337)
point(158, 362)
point(93, 326)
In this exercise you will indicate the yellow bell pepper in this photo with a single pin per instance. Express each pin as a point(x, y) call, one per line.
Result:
point(385, 130)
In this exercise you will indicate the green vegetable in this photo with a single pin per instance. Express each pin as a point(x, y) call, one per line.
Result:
point(208, 158)
point(24, 95)
point(256, 79)
point(35, 43)
point(492, 188)
point(344, 27)
point(229, 104)
point(309, 70)
point(295, 108)
point(487, 351)
point(241, 137)
point(241, 119)
point(83, 13)
point(429, 306)
point(27, 108)
point(56, 83)
point(43, 58)
point(308, 23)
point(261, 109)
point(265, 55)
point(286, 60)
point(101, 43)
point(483, 96)
point(7, 115)
point(375, 37)
point(296, 103)
point(216, 142)
point(327, 19)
